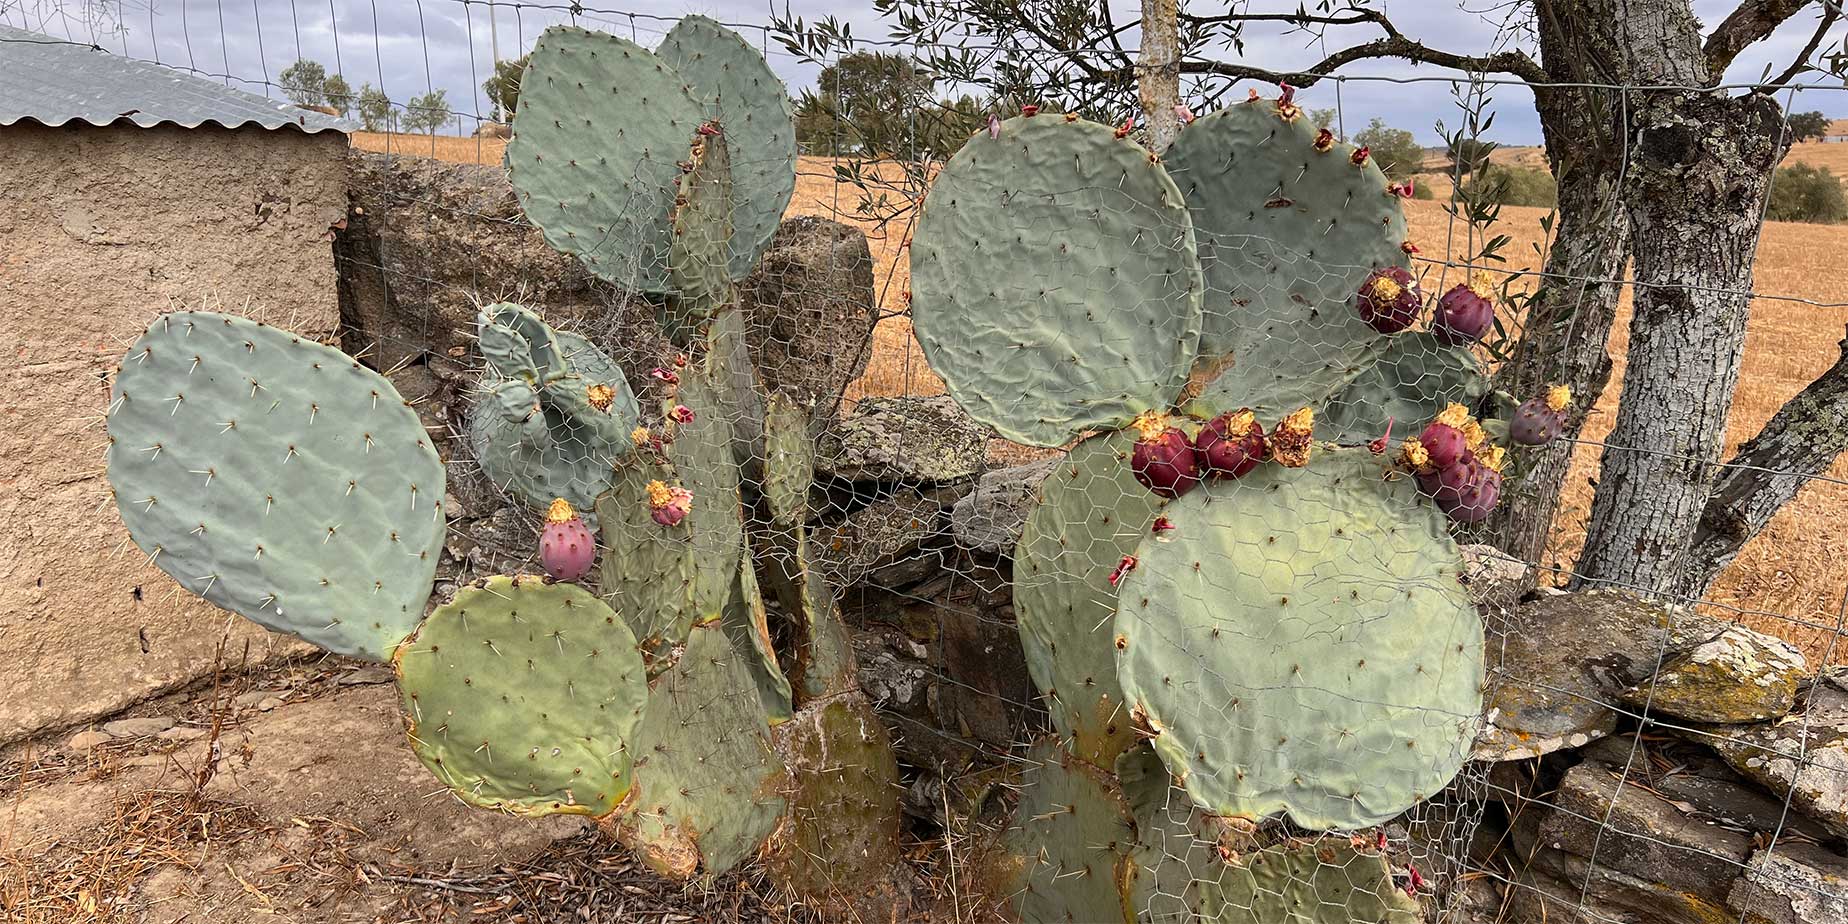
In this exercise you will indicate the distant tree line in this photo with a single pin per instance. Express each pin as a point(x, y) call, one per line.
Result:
point(307, 83)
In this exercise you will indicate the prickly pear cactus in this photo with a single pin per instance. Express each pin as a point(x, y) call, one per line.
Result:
point(601, 124)
point(706, 779)
point(739, 91)
point(839, 845)
point(1091, 513)
point(1405, 380)
point(555, 413)
point(525, 696)
point(702, 455)
point(789, 461)
point(1070, 842)
point(1301, 643)
point(698, 275)
point(277, 478)
point(1175, 842)
point(1086, 321)
point(1322, 881)
point(1288, 228)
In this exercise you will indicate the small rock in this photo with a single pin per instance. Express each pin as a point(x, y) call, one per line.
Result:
point(1803, 756)
point(1792, 883)
point(85, 740)
point(375, 673)
point(183, 733)
point(1736, 675)
point(136, 728)
point(1494, 580)
point(874, 536)
point(908, 439)
point(268, 704)
point(251, 699)
point(990, 519)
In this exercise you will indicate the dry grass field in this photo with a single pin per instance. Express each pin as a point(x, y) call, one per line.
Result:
point(1792, 579)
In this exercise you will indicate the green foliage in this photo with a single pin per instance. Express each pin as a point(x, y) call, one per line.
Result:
point(339, 95)
point(1423, 193)
point(428, 112)
point(1508, 185)
point(1469, 154)
point(1394, 149)
point(1803, 192)
point(305, 83)
point(503, 89)
point(375, 111)
point(1808, 126)
point(870, 103)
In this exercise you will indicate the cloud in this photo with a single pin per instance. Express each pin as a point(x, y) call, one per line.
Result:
point(408, 47)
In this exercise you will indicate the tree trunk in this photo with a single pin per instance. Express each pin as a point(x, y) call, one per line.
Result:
point(1802, 440)
point(1568, 322)
point(1700, 166)
point(1158, 75)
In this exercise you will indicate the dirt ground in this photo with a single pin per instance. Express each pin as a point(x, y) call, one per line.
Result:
point(289, 795)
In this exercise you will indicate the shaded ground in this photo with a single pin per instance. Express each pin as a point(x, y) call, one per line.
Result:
point(304, 806)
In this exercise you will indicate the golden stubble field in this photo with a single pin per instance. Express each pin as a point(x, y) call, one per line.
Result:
point(1791, 580)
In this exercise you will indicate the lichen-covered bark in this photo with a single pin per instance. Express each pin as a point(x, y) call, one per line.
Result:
point(1802, 440)
point(1699, 169)
point(1158, 74)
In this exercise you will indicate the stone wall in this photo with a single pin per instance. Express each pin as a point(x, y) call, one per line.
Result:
point(103, 229)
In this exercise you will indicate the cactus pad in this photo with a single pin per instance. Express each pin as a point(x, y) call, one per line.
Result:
point(1286, 235)
point(748, 625)
point(752, 106)
point(537, 431)
point(1090, 514)
point(705, 776)
point(702, 455)
point(698, 274)
point(647, 569)
point(1072, 833)
point(525, 696)
point(789, 461)
point(277, 478)
point(1301, 643)
point(1325, 881)
point(1175, 842)
point(841, 841)
point(1407, 379)
point(1053, 280)
point(600, 126)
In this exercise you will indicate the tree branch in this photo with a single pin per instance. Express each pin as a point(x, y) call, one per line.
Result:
point(1751, 22)
point(1830, 13)
point(1801, 441)
point(1515, 63)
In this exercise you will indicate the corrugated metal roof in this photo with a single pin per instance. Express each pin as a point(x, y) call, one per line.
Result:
point(51, 81)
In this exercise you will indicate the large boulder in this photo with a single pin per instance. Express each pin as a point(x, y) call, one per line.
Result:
point(990, 518)
point(903, 439)
point(1734, 675)
point(812, 311)
point(1803, 756)
point(1793, 883)
point(886, 531)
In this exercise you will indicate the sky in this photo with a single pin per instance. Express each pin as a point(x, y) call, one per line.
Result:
point(410, 46)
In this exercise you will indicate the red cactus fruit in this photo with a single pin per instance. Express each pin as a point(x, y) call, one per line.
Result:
point(1231, 444)
point(1466, 312)
point(566, 547)
point(1290, 442)
point(1444, 440)
point(668, 505)
point(1164, 459)
point(1539, 420)
point(1469, 490)
point(1389, 300)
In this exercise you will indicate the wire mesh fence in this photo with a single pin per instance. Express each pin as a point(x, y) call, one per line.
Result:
point(1280, 695)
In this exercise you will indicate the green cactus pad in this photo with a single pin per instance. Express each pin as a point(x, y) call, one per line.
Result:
point(748, 626)
point(706, 779)
point(702, 455)
point(525, 696)
point(698, 275)
point(1407, 379)
point(752, 106)
point(1301, 643)
point(789, 461)
point(1054, 285)
point(569, 448)
point(728, 361)
point(1175, 842)
point(647, 569)
point(277, 478)
point(1286, 236)
point(841, 842)
point(1090, 514)
point(1325, 881)
point(1071, 836)
point(601, 124)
